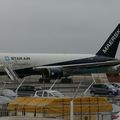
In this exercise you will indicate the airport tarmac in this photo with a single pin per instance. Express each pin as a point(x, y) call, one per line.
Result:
point(66, 89)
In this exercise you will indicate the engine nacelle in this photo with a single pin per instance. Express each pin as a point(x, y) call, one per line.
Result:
point(116, 68)
point(52, 73)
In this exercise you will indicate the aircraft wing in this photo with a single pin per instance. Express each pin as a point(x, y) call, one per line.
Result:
point(83, 65)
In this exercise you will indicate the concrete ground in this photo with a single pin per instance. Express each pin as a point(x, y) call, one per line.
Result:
point(26, 118)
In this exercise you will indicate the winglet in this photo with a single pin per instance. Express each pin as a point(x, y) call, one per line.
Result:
point(110, 47)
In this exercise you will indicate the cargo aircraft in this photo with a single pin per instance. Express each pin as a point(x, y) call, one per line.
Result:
point(53, 66)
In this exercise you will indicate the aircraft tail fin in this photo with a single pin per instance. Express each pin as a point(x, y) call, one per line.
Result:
point(110, 47)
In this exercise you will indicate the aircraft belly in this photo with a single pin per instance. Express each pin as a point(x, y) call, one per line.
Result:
point(93, 70)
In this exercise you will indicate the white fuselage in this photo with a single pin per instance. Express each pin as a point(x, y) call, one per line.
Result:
point(26, 60)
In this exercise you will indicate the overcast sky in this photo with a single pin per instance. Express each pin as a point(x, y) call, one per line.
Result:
point(57, 26)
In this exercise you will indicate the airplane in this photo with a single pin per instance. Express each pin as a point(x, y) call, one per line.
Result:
point(54, 66)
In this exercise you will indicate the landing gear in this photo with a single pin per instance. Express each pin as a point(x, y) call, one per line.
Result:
point(41, 80)
point(66, 80)
point(92, 93)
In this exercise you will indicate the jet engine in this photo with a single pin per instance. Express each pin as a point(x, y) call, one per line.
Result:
point(52, 73)
point(116, 68)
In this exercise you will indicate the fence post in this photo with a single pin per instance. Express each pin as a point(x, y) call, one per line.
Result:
point(89, 109)
point(35, 112)
point(23, 111)
point(63, 108)
point(81, 109)
point(15, 110)
point(98, 107)
point(71, 109)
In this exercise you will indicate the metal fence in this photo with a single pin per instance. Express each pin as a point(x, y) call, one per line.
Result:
point(57, 110)
point(84, 108)
point(3, 110)
point(63, 116)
